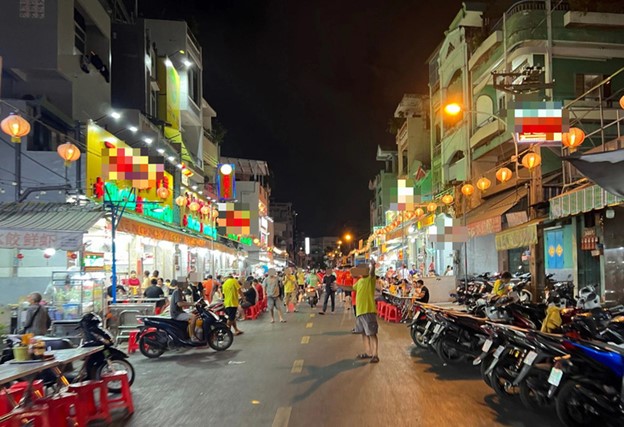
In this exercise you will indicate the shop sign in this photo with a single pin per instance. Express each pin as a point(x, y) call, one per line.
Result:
point(244, 240)
point(195, 225)
point(93, 261)
point(485, 227)
point(20, 239)
point(427, 221)
point(157, 233)
point(517, 238)
point(152, 210)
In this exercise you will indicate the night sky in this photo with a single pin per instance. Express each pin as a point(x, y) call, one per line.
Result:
point(310, 87)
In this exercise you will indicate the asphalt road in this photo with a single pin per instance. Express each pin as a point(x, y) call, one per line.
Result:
point(304, 373)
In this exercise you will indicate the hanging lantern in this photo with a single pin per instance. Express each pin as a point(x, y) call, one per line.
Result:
point(447, 199)
point(467, 189)
point(163, 192)
point(431, 207)
point(194, 206)
point(419, 212)
point(205, 210)
point(573, 138)
point(483, 183)
point(20, 256)
point(531, 160)
point(503, 174)
point(180, 201)
point(15, 126)
point(68, 152)
point(622, 102)
point(256, 241)
point(215, 214)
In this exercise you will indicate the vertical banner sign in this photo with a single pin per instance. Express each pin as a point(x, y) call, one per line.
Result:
point(226, 182)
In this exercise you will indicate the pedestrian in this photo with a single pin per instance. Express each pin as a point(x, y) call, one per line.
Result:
point(37, 319)
point(348, 283)
point(301, 284)
point(147, 280)
point(231, 294)
point(208, 288)
point(290, 282)
point(329, 282)
point(134, 283)
point(366, 320)
point(421, 292)
point(272, 290)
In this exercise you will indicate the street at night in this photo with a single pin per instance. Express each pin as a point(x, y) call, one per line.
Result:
point(287, 213)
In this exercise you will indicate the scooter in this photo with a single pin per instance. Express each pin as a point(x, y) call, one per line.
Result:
point(159, 334)
point(109, 359)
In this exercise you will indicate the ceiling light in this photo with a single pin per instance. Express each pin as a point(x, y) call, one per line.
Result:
point(194, 187)
point(115, 115)
point(179, 165)
point(187, 62)
point(171, 158)
point(200, 192)
point(161, 151)
point(148, 140)
point(168, 62)
point(181, 51)
point(133, 129)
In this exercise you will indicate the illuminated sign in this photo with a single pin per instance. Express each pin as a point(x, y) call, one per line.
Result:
point(226, 182)
point(134, 165)
point(405, 196)
point(157, 210)
point(540, 122)
point(235, 218)
point(172, 86)
point(307, 246)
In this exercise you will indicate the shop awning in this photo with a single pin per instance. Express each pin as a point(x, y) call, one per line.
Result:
point(134, 224)
point(486, 218)
point(581, 200)
point(520, 236)
point(35, 225)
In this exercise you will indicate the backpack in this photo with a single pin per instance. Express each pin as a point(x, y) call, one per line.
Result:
point(48, 319)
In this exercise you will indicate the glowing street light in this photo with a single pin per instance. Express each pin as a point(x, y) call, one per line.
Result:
point(452, 109)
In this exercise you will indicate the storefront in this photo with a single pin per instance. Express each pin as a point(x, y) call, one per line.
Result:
point(516, 242)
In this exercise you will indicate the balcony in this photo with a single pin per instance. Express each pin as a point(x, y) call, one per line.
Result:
point(486, 133)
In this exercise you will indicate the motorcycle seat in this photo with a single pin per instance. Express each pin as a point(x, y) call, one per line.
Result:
point(166, 320)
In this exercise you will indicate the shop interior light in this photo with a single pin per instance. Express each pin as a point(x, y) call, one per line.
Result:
point(179, 165)
point(187, 63)
point(171, 158)
point(133, 129)
point(194, 187)
point(168, 62)
point(148, 140)
point(161, 151)
point(115, 115)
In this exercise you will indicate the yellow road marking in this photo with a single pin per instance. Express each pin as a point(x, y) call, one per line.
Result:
point(297, 366)
point(305, 339)
point(309, 325)
point(282, 416)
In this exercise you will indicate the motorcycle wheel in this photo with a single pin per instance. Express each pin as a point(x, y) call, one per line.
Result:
point(115, 365)
point(446, 352)
point(531, 398)
point(420, 338)
point(572, 407)
point(148, 350)
point(485, 363)
point(501, 379)
point(220, 338)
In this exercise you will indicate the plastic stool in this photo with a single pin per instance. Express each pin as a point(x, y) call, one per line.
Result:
point(34, 416)
point(379, 304)
point(251, 313)
point(18, 389)
point(88, 409)
point(62, 408)
point(383, 309)
point(125, 400)
point(392, 314)
point(133, 345)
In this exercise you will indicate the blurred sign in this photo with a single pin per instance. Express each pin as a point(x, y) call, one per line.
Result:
point(540, 122)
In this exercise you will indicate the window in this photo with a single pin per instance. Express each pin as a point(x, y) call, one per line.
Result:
point(153, 104)
point(80, 32)
point(43, 138)
point(585, 82)
point(194, 82)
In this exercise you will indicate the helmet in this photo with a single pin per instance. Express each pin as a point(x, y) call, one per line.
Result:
point(90, 320)
point(588, 298)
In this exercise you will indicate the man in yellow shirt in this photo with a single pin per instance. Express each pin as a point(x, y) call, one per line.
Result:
point(231, 293)
point(290, 282)
point(366, 309)
point(500, 285)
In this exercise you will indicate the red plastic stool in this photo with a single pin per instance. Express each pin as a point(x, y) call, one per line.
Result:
point(62, 408)
point(392, 314)
point(383, 309)
point(34, 416)
point(379, 304)
point(251, 313)
point(88, 409)
point(133, 345)
point(125, 400)
point(18, 389)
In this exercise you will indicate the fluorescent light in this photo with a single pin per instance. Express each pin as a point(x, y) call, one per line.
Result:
point(148, 140)
point(115, 115)
point(161, 151)
point(179, 165)
point(168, 62)
point(181, 51)
point(187, 62)
point(200, 192)
point(171, 158)
point(194, 187)
point(133, 129)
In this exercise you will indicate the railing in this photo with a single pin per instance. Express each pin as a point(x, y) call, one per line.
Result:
point(527, 5)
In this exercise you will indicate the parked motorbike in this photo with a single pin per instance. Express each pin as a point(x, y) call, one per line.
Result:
point(159, 334)
point(109, 359)
point(459, 338)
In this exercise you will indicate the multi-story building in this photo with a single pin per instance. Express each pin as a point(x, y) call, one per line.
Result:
point(412, 138)
point(383, 186)
point(488, 63)
point(284, 226)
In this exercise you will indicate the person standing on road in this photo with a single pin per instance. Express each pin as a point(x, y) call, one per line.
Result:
point(366, 320)
point(301, 284)
point(290, 283)
point(272, 288)
point(231, 294)
point(329, 280)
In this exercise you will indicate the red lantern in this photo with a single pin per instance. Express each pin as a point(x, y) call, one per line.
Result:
point(20, 256)
point(163, 192)
point(139, 205)
point(73, 256)
point(46, 256)
point(98, 188)
point(205, 210)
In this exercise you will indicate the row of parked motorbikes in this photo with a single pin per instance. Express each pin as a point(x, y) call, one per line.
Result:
point(579, 369)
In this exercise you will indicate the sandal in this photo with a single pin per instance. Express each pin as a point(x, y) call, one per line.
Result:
point(374, 359)
point(282, 321)
point(363, 356)
point(238, 333)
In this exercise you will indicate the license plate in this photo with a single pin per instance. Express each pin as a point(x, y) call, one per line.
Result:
point(427, 325)
point(530, 358)
point(437, 328)
point(499, 351)
point(555, 376)
point(487, 345)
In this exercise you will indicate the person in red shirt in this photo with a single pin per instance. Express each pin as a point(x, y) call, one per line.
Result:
point(348, 283)
point(208, 285)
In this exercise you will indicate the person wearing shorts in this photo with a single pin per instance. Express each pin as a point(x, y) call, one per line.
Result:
point(178, 304)
point(231, 294)
point(366, 320)
point(272, 286)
